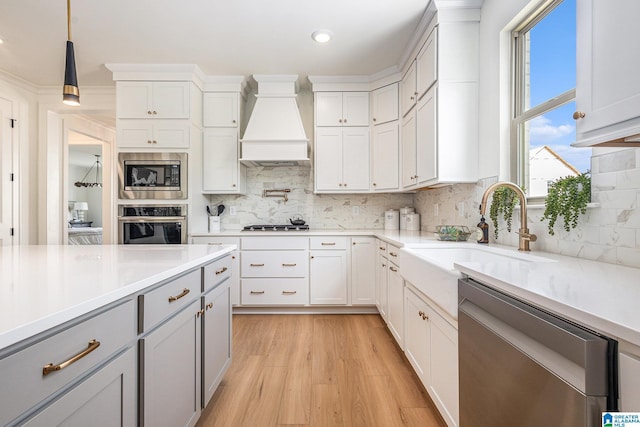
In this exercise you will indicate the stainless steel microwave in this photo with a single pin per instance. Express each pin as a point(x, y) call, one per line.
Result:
point(152, 176)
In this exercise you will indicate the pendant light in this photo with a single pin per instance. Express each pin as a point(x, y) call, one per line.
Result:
point(70, 92)
point(84, 182)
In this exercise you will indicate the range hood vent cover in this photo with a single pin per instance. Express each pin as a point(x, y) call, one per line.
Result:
point(275, 135)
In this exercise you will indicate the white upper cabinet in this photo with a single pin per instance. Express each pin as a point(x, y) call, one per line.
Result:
point(409, 89)
point(342, 159)
point(427, 64)
point(153, 100)
point(222, 173)
point(384, 104)
point(342, 109)
point(221, 109)
point(385, 150)
point(607, 84)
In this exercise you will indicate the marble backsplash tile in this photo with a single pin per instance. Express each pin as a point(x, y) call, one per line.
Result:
point(609, 232)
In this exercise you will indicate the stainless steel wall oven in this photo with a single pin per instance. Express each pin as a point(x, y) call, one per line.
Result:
point(145, 224)
point(160, 176)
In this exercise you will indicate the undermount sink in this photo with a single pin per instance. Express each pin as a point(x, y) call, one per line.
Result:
point(430, 267)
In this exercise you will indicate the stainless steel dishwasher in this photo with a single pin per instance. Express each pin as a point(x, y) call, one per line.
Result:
point(520, 366)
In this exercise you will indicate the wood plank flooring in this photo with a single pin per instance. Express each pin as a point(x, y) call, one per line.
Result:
point(318, 370)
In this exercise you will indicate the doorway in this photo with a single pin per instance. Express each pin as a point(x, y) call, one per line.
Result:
point(6, 173)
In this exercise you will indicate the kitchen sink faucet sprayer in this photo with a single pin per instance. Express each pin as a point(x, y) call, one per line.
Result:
point(523, 232)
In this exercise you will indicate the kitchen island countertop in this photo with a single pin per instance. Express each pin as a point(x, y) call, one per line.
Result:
point(43, 286)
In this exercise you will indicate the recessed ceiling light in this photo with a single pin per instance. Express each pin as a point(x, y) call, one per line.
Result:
point(322, 36)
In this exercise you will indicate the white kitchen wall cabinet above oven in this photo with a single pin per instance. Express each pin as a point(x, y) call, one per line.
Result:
point(154, 133)
point(607, 84)
point(222, 172)
point(342, 159)
point(153, 100)
point(439, 135)
point(342, 108)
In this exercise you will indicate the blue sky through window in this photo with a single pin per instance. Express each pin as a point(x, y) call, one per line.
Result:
point(553, 72)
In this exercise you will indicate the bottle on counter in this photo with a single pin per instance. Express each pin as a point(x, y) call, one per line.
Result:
point(482, 232)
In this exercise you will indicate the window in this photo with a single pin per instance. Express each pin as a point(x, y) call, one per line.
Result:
point(544, 98)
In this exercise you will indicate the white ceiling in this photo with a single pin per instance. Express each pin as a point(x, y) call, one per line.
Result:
point(223, 37)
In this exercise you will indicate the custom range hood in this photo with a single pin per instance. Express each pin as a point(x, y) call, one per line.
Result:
point(275, 135)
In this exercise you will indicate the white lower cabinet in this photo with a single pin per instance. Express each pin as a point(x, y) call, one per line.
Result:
point(363, 277)
point(328, 277)
point(395, 307)
point(382, 271)
point(629, 385)
point(431, 345)
point(170, 371)
point(107, 397)
point(235, 261)
point(216, 336)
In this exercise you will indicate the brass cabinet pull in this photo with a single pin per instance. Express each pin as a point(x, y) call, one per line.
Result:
point(222, 270)
point(209, 306)
point(393, 269)
point(289, 265)
point(328, 243)
point(382, 248)
point(215, 243)
point(393, 254)
point(200, 313)
point(289, 292)
point(155, 112)
point(578, 115)
point(420, 313)
point(47, 369)
point(149, 112)
point(184, 292)
point(312, 257)
point(233, 257)
point(256, 292)
point(256, 265)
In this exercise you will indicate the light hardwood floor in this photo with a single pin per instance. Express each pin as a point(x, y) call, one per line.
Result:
point(318, 370)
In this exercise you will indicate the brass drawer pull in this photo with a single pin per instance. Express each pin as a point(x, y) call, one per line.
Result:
point(256, 265)
point(199, 313)
point(393, 269)
point(289, 292)
point(47, 369)
point(382, 248)
point(215, 244)
point(209, 306)
point(256, 292)
point(289, 265)
point(328, 243)
point(184, 292)
point(222, 270)
point(393, 254)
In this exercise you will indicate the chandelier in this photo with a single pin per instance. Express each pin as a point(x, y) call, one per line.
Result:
point(98, 175)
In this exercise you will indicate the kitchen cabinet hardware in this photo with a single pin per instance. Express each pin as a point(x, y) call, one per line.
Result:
point(184, 292)
point(222, 270)
point(289, 265)
point(353, 243)
point(47, 369)
point(215, 243)
point(289, 292)
point(199, 313)
point(393, 254)
point(312, 256)
point(328, 243)
point(578, 115)
point(209, 306)
point(420, 313)
point(393, 269)
point(425, 317)
point(374, 119)
point(382, 248)
point(233, 257)
point(256, 265)
point(374, 184)
point(257, 292)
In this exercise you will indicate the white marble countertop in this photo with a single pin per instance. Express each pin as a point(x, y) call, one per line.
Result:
point(44, 286)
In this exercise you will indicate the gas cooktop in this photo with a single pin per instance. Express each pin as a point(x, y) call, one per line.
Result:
point(271, 227)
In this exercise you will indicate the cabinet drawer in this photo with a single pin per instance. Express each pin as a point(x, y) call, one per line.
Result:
point(329, 242)
point(216, 273)
point(381, 247)
point(113, 329)
point(393, 253)
point(275, 292)
point(215, 240)
point(274, 243)
point(274, 264)
point(167, 299)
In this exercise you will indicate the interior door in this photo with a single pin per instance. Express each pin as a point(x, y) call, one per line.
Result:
point(6, 185)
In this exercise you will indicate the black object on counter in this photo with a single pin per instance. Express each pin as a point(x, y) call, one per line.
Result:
point(483, 231)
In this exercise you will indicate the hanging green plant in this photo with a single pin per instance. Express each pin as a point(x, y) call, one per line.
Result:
point(568, 198)
point(503, 201)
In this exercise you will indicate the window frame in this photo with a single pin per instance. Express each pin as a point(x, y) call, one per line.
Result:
point(519, 159)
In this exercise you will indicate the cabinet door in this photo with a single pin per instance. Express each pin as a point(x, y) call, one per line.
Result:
point(171, 134)
point(135, 134)
point(381, 285)
point(328, 277)
point(220, 160)
point(216, 335)
point(426, 133)
point(409, 150)
point(427, 64)
point(329, 109)
point(408, 89)
point(607, 87)
point(107, 397)
point(328, 158)
point(355, 109)
point(153, 134)
point(385, 149)
point(418, 336)
point(170, 377)
point(363, 277)
point(221, 109)
point(384, 104)
point(171, 100)
point(134, 100)
point(395, 313)
point(629, 386)
point(443, 380)
point(355, 159)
